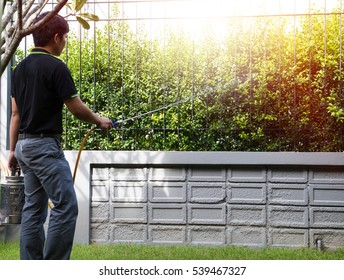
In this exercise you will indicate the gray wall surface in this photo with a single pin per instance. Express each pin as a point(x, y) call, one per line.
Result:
point(243, 199)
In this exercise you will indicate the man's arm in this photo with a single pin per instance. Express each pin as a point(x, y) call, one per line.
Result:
point(83, 113)
point(14, 131)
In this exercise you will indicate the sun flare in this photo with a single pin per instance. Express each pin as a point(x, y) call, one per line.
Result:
point(198, 16)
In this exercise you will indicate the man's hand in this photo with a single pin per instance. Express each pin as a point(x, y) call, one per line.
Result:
point(105, 123)
point(12, 161)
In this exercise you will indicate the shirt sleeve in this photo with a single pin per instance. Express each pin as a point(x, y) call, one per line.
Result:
point(64, 83)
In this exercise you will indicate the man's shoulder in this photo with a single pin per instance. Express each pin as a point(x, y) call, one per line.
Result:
point(53, 63)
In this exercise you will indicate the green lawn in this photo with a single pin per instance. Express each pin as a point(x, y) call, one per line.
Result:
point(10, 251)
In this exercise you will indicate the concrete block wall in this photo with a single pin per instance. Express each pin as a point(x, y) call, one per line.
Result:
point(244, 205)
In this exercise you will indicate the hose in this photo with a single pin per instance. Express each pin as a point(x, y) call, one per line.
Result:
point(80, 150)
point(82, 145)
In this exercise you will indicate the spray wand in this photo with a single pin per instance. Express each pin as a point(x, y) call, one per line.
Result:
point(176, 103)
point(117, 123)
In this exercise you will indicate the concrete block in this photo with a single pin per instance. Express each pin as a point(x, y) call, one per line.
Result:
point(132, 233)
point(100, 191)
point(247, 236)
point(326, 195)
point(246, 193)
point(288, 216)
point(203, 235)
point(288, 194)
point(327, 217)
point(207, 174)
point(167, 174)
point(247, 174)
point(167, 234)
point(129, 212)
point(199, 192)
point(167, 213)
point(2, 233)
point(161, 192)
point(330, 238)
point(99, 233)
point(128, 174)
point(100, 212)
point(9, 232)
point(288, 174)
point(327, 174)
point(209, 214)
point(294, 238)
point(100, 173)
point(252, 215)
point(128, 191)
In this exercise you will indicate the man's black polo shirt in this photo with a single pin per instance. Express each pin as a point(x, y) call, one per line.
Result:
point(40, 85)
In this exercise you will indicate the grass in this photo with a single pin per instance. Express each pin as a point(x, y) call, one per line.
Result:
point(10, 251)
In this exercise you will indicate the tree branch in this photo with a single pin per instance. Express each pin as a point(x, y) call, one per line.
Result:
point(30, 14)
point(9, 15)
point(43, 21)
point(20, 14)
point(17, 34)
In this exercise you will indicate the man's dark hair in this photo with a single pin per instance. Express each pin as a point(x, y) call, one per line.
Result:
point(57, 24)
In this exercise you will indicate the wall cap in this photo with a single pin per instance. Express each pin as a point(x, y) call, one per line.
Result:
point(212, 158)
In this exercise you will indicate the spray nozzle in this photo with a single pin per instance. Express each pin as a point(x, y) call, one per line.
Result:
point(127, 121)
point(116, 123)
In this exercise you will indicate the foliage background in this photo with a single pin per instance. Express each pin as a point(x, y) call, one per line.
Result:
point(268, 85)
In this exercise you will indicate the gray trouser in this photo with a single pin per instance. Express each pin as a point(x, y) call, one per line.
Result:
point(46, 175)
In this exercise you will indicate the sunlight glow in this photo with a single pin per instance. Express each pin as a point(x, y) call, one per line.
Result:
point(197, 16)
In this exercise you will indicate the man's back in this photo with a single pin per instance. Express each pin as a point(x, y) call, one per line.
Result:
point(41, 83)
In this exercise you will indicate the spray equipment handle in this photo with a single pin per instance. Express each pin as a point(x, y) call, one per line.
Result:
point(116, 123)
point(15, 170)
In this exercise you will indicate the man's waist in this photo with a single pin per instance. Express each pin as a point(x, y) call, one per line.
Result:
point(25, 135)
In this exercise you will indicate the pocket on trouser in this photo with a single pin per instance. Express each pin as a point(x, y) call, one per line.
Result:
point(41, 147)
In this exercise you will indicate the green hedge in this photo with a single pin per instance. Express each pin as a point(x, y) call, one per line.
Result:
point(267, 86)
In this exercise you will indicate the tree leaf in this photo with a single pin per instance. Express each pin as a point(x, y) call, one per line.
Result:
point(89, 16)
point(78, 4)
point(69, 7)
point(83, 22)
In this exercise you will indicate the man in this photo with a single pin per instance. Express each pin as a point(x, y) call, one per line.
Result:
point(41, 85)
